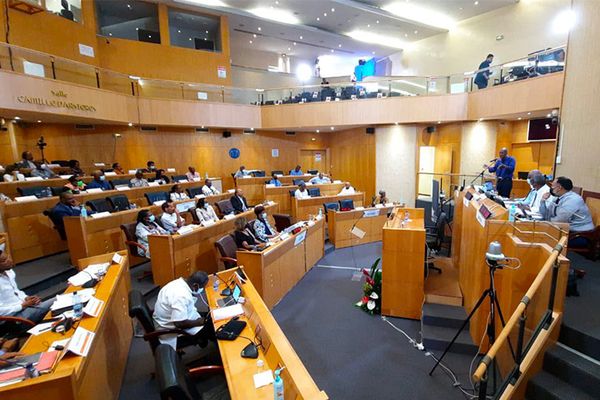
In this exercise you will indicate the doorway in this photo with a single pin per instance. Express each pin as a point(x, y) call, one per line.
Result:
point(314, 160)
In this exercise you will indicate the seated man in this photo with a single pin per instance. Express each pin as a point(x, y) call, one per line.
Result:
point(296, 171)
point(192, 175)
point(569, 207)
point(175, 308)
point(139, 180)
point(150, 167)
point(238, 201)
point(68, 206)
point(320, 179)
point(14, 302)
point(301, 192)
point(170, 219)
point(99, 181)
point(347, 189)
point(241, 172)
point(75, 168)
point(208, 189)
point(43, 171)
point(161, 178)
point(539, 188)
point(381, 198)
point(26, 160)
point(178, 193)
point(274, 180)
point(262, 228)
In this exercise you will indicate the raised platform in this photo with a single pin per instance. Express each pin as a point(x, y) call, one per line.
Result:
point(443, 288)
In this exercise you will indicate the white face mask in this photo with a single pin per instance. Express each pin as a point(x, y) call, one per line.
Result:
point(263, 215)
point(198, 292)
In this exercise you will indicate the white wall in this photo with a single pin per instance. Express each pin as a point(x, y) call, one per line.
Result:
point(526, 26)
point(478, 146)
point(395, 150)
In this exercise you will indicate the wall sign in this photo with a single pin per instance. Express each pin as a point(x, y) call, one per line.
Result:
point(222, 72)
point(56, 103)
point(275, 153)
point(234, 153)
point(87, 51)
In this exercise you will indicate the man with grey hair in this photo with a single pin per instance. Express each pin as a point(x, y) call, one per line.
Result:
point(537, 182)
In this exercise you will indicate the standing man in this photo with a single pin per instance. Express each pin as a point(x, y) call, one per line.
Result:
point(504, 167)
point(482, 77)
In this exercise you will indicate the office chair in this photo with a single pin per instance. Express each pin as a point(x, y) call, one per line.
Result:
point(175, 381)
point(227, 249)
point(277, 172)
point(313, 171)
point(119, 202)
point(224, 206)
point(57, 190)
point(177, 178)
point(282, 221)
point(334, 205)
point(12, 327)
point(434, 241)
point(99, 205)
point(194, 191)
point(37, 191)
point(250, 226)
point(258, 174)
point(132, 245)
point(60, 228)
point(118, 182)
point(292, 192)
point(346, 205)
point(592, 247)
point(195, 219)
point(314, 192)
point(138, 309)
point(62, 163)
point(156, 196)
point(298, 181)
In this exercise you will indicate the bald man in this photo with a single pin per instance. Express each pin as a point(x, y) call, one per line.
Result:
point(504, 168)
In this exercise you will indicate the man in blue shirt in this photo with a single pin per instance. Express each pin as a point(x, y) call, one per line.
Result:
point(296, 171)
point(274, 180)
point(67, 207)
point(98, 181)
point(504, 167)
point(320, 179)
point(482, 77)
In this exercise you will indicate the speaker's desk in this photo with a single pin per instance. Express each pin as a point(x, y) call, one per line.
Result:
point(97, 376)
point(276, 269)
point(253, 187)
point(282, 195)
point(276, 351)
point(303, 208)
point(369, 220)
point(402, 264)
point(174, 256)
point(32, 233)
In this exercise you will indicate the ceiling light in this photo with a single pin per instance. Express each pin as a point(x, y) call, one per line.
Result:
point(210, 3)
point(332, 50)
point(202, 127)
point(318, 19)
point(396, 123)
point(300, 37)
point(548, 115)
point(254, 35)
point(339, 45)
point(17, 118)
point(416, 31)
point(439, 122)
point(373, 52)
point(480, 119)
point(313, 139)
point(332, 128)
point(324, 14)
point(333, 10)
point(206, 31)
point(178, 30)
point(422, 15)
point(318, 131)
point(499, 37)
point(259, 29)
point(564, 21)
point(304, 72)
point(377, 21)
point(250, 41)
point(529, 113)
point(109, 34)
point(129, 6)
point(276, 14)
point(289, 49)
point(368, 25)
point(137, 29)
point(39, 121)
point(519, 118)
point(294, 43)
point(476, 3)
point(374, 38)
point(190, 39)
point(130, 124)
point(406, 35)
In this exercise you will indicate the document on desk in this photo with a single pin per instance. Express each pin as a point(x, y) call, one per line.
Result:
point(359, 233)
point(40, 328)
point(300, 238)
point(93, 307)
point(81, 342)
point(66, 300)
point(219, 314)
point(263, 379)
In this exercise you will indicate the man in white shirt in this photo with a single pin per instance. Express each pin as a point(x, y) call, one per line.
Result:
point(208, 189)
point(347, 189)
point(241, 172)
point(301, 192)
point(175, 308)
point(192, 175)
point(532, 202)
point(14, 302)
point(170, 219)
point(139, 180)
point(320, 179)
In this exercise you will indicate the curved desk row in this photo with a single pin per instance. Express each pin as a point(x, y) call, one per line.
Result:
point(282, 196)
point(303, 208)
point(254, 187)
point(368, 220)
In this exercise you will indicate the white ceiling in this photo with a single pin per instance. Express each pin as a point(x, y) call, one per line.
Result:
point(329, 32)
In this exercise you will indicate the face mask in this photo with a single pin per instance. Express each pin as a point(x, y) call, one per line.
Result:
point(263, 215)
point(198, 292)
point(79, 183)
point(152, 168)
point(529, 181)
point(553, 193)
point(152, 218)
point(102, 178)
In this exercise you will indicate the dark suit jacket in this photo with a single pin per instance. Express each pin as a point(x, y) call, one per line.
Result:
point(237, 204)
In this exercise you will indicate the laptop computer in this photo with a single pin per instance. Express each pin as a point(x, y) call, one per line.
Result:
point(230, 300)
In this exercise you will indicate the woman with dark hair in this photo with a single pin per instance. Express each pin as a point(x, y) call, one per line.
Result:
point(205, 212)
point(244, 239)
point(117, 169)
point(177, 193)
point(161, 178)
point(146, 226)
point(75, 168)
point(74, 184)
point(263, 229)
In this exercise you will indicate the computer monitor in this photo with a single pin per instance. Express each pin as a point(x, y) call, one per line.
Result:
point(522, 175)
point(485, 213)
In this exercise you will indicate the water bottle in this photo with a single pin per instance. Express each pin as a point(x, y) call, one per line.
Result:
point(320, 212)
point(206, 176)
point(406, 217)
point(77, 306)
point(31, 372)
point(278, 385)
point(511, 213)
point(259, 366)
point(216, 284)
point(84, 213)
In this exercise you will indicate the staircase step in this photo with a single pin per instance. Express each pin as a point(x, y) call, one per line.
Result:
point(444, 315)
point(545, 386)
point(48, 283)
point(53, 290)
point(573, 369)
point(438, 337)
point(580, 341)
point(329, 247)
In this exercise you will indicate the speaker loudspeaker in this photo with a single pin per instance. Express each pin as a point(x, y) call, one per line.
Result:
point(430, 129)
point(226, 134)
point(370, 130)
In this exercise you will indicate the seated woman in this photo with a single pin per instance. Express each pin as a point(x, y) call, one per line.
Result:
point(244, 239)
point(117, 169)
point(205, 212)
point(161, 178)
point(263, 229)
point(177, 193)
point(74, 184)
point(145, 227)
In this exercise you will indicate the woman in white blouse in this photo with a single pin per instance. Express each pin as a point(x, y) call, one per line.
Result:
point(177, 193)
point(146, 226)
point(205, 212)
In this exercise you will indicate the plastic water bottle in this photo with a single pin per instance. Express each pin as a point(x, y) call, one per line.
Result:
point(259, 366)
point(77, 306)
point(511, 213)
point(278, 385)
point(84, 213)
point(320, 213)
point(216, 284)
point(206, 176)
point(31, 372)
point(406, 217)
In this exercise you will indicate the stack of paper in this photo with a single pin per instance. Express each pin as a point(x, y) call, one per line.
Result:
point(92, 271)
point(66, 300)
point(227, 312)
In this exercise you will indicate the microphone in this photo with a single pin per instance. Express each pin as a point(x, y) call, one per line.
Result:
point(494, 160)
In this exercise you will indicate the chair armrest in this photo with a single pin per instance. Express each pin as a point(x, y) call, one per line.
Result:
point(228, 259)
point(205, 370)
point(160, 332)
point(17, 320)
point(136, 244)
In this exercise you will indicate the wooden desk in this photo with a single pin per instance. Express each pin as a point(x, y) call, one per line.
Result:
point(176, 255)
point(97, 376)
point(281, 195)
point(340, 223)
point(277, 352)
point(4, 241)
point(33, 234)
point(254, 187)
point(89, 236)
point(302, 208)
point(402, 265)
point(279, 267)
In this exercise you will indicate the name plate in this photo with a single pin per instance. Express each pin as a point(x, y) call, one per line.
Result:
point(228, 216)
point(199, 196)
point(94, 190)
point(182, 181)
point(378, 205)
point(132, 171)
point(34, 178)
point(65, 176)
point(371, 213)
point(110, 173)
point(159, 202)
point(99, 164)
point(231, 191)
point(246, 176)
point(300, 238)
point(170, 169)
point(337, 181)
point(185, 229)
point(466, 202)
point(359, 208)
point(480, 219)
point(25, 198)
point(389, 204)
point(122, 187)
point(270, 185)
point(100, 214)
point(153, 183)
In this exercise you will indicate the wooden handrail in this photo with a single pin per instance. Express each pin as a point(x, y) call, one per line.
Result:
point(510, 324)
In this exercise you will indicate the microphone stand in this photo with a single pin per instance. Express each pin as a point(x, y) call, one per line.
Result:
point(480, 175)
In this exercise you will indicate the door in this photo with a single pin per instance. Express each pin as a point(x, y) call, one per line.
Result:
point(314, 160)
point(426, 167)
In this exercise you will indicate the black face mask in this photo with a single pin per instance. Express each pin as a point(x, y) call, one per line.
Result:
point(553, 193)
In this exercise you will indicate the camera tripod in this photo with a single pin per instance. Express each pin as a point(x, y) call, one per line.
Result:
point(490, 293)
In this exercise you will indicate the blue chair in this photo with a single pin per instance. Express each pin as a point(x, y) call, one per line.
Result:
point(335, 206)
point(37, 191)
point(314, 192)
point(313, 171)
point(277, 172)
point(298, 181)
point(156, 196)
point(346, 205)
point(118, 182)
point(258, 174)
point(194, 191)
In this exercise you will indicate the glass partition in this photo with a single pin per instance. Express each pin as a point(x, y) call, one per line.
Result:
point(69, 9)
point(132, 19)
point(194, 31)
